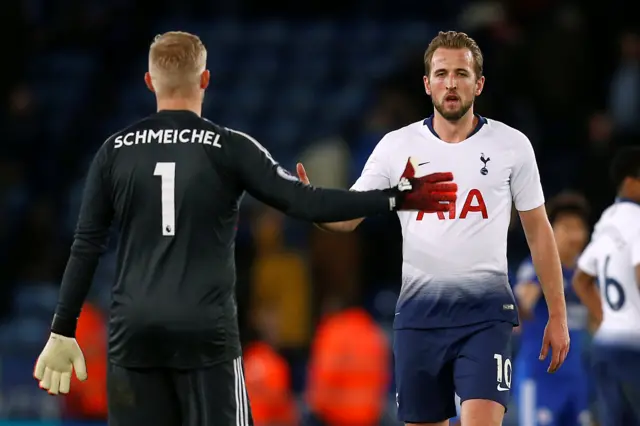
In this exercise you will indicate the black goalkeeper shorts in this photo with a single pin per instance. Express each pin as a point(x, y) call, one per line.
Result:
point(214, 396)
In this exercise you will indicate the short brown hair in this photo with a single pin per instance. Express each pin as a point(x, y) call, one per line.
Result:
point(453, 40)
point(176, 60)
point(568, 203)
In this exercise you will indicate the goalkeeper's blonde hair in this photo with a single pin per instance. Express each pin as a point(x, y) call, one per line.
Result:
point(177, 60)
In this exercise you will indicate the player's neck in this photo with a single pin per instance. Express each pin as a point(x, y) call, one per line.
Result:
point(180, 104)
point(628, 196)
point(454, 131)
point(568, 260)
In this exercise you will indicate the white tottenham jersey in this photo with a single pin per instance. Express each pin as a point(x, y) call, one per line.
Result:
point(454, 268)
point(611, 257)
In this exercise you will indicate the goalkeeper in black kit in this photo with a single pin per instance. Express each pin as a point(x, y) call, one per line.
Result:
point(172, 183)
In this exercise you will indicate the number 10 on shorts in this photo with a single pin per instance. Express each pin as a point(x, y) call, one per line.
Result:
point(503, 375)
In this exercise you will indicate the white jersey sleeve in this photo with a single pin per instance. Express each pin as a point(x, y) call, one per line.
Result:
point(588, 260)
point(526, 188)
point(376, 172)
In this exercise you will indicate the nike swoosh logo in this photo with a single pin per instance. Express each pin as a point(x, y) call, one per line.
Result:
point(422, 164)
point(501, 389)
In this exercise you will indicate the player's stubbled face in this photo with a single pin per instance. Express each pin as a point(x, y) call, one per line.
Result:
point(452, 82)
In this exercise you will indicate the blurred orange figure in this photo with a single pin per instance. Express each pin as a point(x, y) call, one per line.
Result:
point(349, 370)
point(280, 279)
point(267, 374)
point(88, 399)
point(268, 384)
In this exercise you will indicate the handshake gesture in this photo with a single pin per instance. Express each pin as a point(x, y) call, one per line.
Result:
point(432, 193)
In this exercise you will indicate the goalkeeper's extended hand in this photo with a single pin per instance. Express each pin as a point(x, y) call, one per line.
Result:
point(59, 357)
point(431, 193)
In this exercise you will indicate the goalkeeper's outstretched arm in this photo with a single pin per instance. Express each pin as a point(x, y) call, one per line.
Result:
point(267, 181)
point(342, 226)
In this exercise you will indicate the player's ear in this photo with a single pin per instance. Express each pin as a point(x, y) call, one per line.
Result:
point(148, 82)
point(205, 78)
point(427, 85)
point(479, 85)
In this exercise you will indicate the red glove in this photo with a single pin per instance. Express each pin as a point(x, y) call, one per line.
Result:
point(431, 193)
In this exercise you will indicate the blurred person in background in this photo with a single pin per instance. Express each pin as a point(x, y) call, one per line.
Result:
point(267, 373)
point(607, 281)
point(600, 144)
point(348, 367)
point(624, 91)
point(560, 399)
point(90, 400)
point(336, 265)
point(392, 109)
point(329, 159)
point(280, 280)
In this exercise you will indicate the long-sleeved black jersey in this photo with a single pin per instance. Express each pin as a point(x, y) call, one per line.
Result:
point(172, 183)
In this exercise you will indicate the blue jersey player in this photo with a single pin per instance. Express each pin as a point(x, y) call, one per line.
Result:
point(559, 399)
point(456, 311)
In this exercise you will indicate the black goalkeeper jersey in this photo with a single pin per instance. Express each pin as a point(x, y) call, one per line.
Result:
point(172, 183)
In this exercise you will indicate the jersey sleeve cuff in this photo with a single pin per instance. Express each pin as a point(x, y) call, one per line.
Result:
point(586, 268)
point(525, 207)
point(64, 326)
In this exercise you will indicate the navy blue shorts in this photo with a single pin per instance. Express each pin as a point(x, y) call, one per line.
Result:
point(433, 365)
point(617, 374)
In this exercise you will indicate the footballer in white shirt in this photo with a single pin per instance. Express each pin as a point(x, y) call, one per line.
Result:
point(607, 281)
point(456, 311)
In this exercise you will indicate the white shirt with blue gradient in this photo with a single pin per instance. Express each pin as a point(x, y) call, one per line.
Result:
point(454, 270)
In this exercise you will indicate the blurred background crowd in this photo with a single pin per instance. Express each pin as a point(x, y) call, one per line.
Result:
point(313, 82)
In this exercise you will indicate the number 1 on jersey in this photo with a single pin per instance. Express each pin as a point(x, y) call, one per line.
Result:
point(167, 173)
